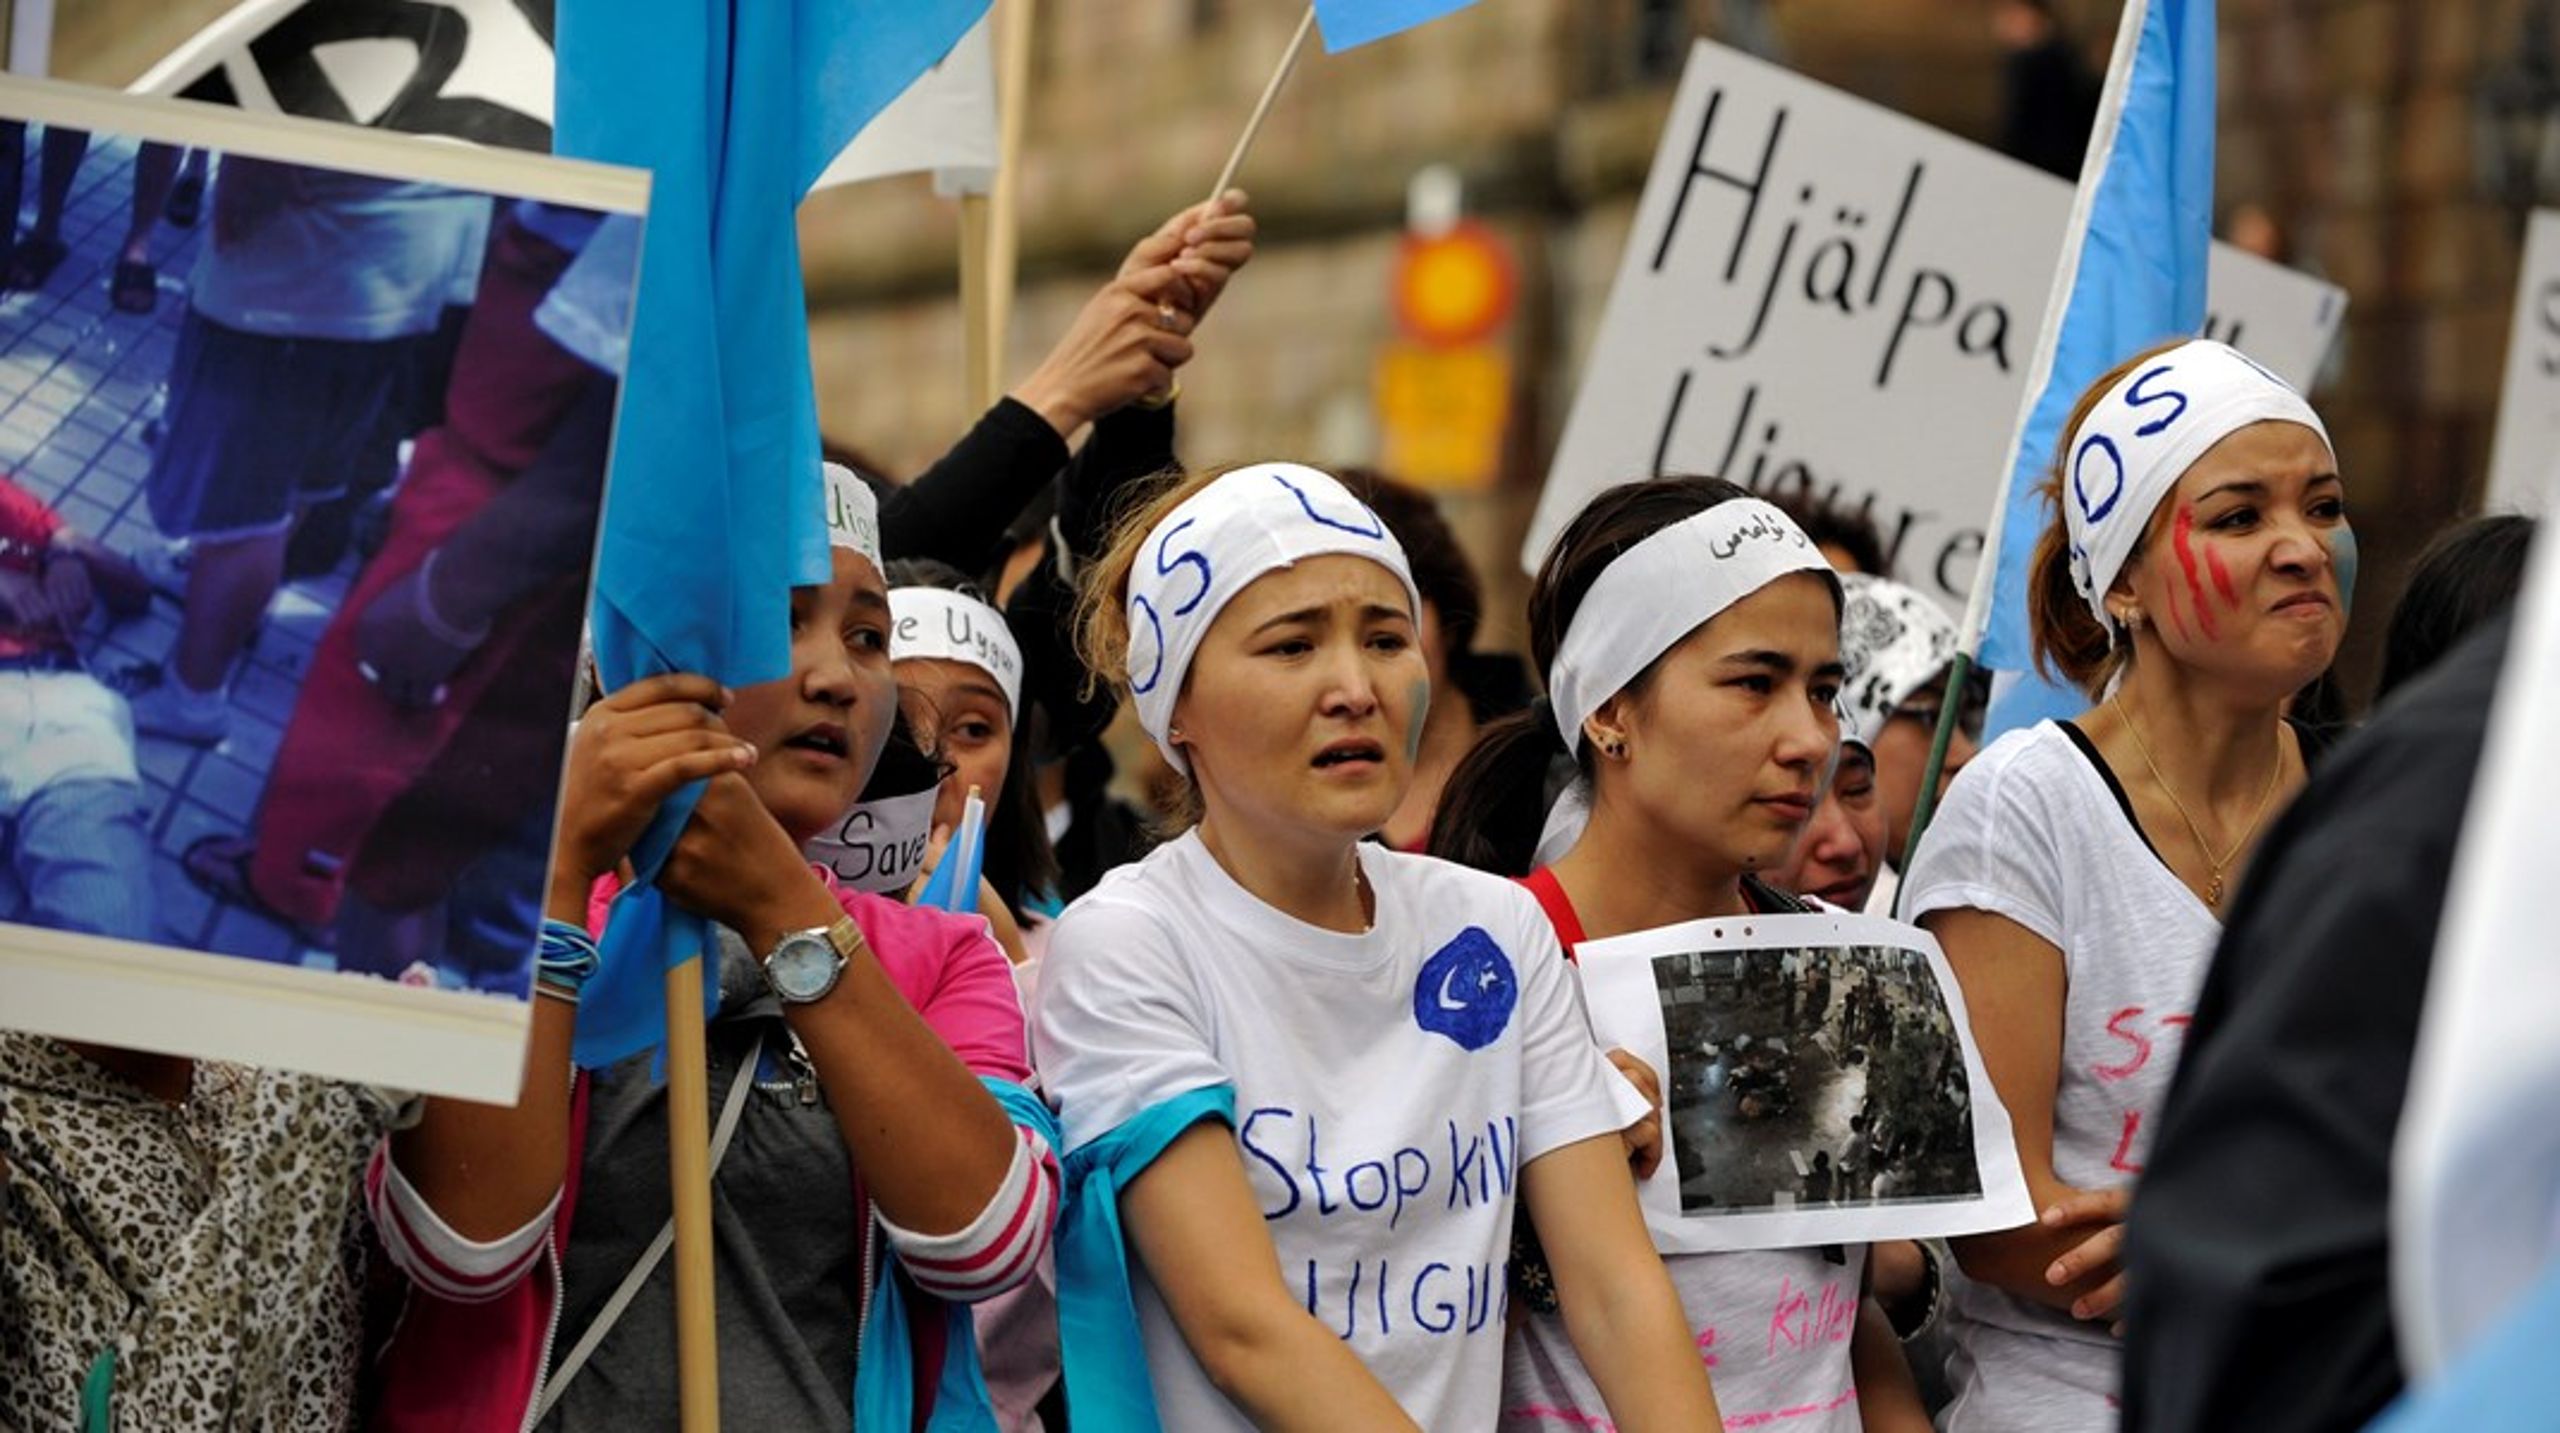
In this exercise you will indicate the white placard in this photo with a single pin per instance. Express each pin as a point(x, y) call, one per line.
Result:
point(418, 840)
point(2526, 459)
point(1820, 1081)
point(1822, 295)
point(481, 70)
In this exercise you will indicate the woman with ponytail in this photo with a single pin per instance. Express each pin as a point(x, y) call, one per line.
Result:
point(1306, 1074)
point(2194, 576)
point(1691, 638)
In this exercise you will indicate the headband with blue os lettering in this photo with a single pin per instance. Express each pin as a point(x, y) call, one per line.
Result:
point(938, 622)
point(2141, 437)
point(1659, 591)
point(1213, 545)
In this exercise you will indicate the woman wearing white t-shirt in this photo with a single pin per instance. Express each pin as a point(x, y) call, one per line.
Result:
point(1316, 1070)
point(1691, 640)
point(2193, 578)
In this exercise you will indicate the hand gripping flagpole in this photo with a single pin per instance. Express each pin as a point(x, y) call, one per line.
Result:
point(2066, 272)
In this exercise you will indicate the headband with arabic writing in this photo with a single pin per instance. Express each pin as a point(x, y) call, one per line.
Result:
point(1212, 546)
point(2143, 435)
point(1661, 590)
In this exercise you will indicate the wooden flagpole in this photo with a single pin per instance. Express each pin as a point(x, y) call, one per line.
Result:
point(1262, 107)
point(1004, 236)
point(689, 1175)
point(976, 318)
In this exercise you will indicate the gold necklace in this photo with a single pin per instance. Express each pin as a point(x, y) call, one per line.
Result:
point(2275, 777)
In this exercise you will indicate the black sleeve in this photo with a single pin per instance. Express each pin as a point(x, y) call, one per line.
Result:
point(956, 510)
point(1127, 447)
point(2257, 1257)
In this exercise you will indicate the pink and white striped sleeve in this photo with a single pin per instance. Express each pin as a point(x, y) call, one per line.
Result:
point(1000, 1248)
point(437, 1259)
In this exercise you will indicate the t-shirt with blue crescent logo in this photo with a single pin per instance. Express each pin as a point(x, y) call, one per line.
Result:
point(1390, 1086)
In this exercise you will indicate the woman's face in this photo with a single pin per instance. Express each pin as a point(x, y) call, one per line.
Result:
point(1726, 744)
point(2245, 572)
point(959, 715)
point(1843, 845)
point(1902, 759)
point(819, 731)
point(1304, 703)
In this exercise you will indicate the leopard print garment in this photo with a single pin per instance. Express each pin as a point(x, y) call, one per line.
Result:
point(216, 1245)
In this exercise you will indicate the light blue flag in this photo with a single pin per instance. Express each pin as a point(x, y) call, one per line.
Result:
point(713, 510)
point(1347, 23)
point(2132, 274)
point(2506, 1383)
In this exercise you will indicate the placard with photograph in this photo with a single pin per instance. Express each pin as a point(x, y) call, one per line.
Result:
point(303, 440)
point(1820, 1083)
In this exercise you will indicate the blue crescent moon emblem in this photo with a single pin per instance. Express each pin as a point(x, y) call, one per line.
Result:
point(1467, 991)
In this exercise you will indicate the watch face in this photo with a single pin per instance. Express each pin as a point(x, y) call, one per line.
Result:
point(803, 967)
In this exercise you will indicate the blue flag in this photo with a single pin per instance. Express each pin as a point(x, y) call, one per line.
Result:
point(2132, 274)
point(713, 510)
point(1346, 23)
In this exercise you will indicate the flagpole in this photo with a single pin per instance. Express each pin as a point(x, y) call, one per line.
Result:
point(2066, 272)
point(977, 326)
point(1004, 224)
point(1262, 107)
point(689, 1176)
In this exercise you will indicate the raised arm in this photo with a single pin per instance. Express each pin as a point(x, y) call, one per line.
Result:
point(1619, 1307)
point(1192, 1219)
point(2014, 989)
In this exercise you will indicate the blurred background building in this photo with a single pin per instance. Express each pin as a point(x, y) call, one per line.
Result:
point(2391, 146)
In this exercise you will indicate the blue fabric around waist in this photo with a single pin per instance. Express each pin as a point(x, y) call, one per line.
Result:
point(884, 1393)
point(1105, 1358)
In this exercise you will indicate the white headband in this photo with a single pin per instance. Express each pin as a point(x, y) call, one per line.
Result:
point(937, 622)
point(1661, 590)
point(1214, 545)
point(2143, 435)
point(1893, 640)
point(853, 513)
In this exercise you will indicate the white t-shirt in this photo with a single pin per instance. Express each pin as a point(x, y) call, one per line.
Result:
point(1772, 1326)
point(2032, 831)
point(1389, 1088)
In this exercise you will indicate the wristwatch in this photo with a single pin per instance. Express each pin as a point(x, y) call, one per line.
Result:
point(805, 964)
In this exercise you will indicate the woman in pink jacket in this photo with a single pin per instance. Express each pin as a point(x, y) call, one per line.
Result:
point(869, 1177)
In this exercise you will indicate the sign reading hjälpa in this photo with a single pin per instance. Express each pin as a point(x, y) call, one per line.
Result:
point(1820, 1083)
point(2527, 457)
point(1823, 297)
point(337, 865)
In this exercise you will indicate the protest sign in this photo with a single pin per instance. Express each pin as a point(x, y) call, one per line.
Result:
point(482, 70)
point(1819, 1079)
point(2523, 462)
point(336, 864)
point(1823, 298)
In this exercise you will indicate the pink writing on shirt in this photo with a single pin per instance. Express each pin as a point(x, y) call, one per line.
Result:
point(1800, 1322)
point(2127, 1027)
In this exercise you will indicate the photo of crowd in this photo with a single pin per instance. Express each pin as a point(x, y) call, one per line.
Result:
point(299, 481)
point(1816, 1076)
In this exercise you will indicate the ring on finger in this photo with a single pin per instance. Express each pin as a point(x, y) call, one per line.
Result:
point(1167, 319)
